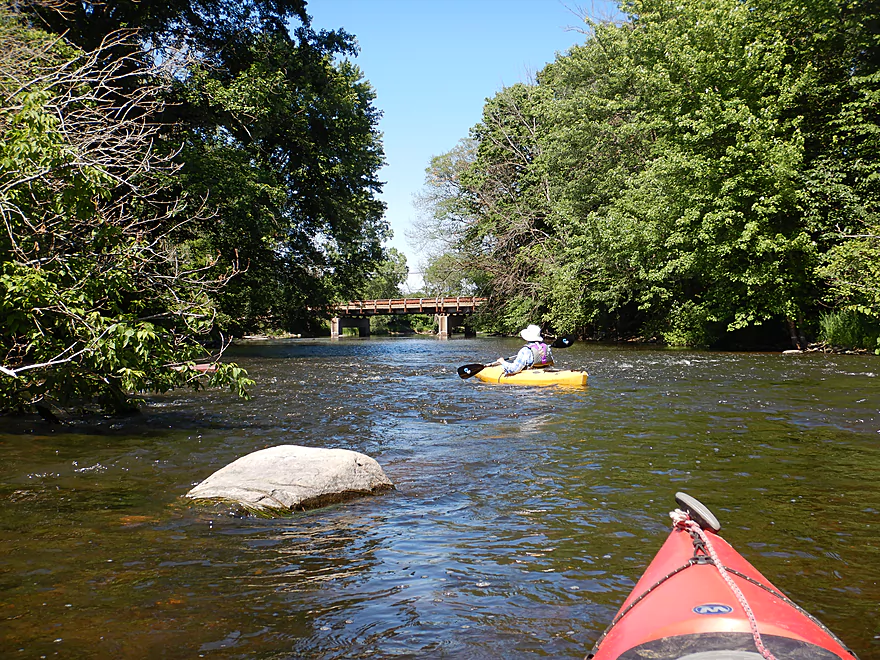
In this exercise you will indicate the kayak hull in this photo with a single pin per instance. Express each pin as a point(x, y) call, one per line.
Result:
point(495, 374)
point(680, 608)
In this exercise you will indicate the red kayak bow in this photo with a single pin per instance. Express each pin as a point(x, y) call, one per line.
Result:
point(699, 599)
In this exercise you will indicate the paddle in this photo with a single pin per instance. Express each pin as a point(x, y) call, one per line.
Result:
point(563, 342)
point(468, 370)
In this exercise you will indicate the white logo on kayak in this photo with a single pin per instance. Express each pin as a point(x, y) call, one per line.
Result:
point(713, 608)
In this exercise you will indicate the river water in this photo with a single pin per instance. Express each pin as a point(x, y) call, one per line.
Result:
point(521, 519)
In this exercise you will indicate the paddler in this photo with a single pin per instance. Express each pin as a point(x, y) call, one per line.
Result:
point(534, 355)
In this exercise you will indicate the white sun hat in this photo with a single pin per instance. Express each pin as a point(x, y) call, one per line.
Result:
point(532, 333)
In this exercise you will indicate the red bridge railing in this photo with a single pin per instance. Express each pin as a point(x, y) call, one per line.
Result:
point(388, 306)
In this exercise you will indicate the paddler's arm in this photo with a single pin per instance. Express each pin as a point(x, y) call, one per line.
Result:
point(520, 363)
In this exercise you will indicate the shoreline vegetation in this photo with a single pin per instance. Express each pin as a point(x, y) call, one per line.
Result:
point(174, 177)
point(813, 347)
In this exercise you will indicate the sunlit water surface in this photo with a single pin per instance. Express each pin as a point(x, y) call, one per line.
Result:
point(521, 519)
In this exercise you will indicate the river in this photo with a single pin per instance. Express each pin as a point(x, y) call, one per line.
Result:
point(521, 519)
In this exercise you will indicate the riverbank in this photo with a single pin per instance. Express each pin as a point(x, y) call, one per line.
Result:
point(838, 350)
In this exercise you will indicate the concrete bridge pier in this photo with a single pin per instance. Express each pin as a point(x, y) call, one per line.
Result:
point(442, 325)
point(446, 322)
point(338, 323)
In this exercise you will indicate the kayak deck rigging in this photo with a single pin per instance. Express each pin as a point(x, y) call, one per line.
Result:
point(688, 605)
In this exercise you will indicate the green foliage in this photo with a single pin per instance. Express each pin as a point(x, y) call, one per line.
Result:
point(850, 329)
point(699, 169)
point(385, 282)
point(704, 217)
point(424, 324)
point(489, 201)
point(280, 139)
point(173, 26)
point(687, 326)
point(288, 150)
point(95, 303)
point(518, 313)
point(449, 275)
point(139, 231)
point(389, 276)
point(853, 271)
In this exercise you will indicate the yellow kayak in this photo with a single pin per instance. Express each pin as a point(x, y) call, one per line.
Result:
point(494, 374)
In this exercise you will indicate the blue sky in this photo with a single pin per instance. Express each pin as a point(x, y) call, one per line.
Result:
point(433, 63)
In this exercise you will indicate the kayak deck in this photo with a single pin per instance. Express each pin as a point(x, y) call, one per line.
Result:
point(495, 374)
point(683, 607)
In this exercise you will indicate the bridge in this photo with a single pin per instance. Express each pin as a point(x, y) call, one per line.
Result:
point(448, 311)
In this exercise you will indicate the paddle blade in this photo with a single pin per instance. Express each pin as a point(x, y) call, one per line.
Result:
point(563, 342)
point(468, 370)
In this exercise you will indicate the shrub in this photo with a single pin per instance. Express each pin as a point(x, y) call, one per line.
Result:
point(850, 329)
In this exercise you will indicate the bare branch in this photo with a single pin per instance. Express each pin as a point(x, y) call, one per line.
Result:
point(92, 200)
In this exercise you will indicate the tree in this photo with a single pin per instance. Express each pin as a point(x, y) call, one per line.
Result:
point(386, 280)
point(288, 150)
point(489, 200)
point(842, 186)
point(449, 275)
point(280, 136)
point(174, 26)
point(700, 169)
point(96, 300)
point(444, 203)
point(705, 224)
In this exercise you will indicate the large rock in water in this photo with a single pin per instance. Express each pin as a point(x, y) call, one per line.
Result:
point(289, 477)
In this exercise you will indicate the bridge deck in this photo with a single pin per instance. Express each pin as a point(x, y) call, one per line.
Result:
point(390, 306)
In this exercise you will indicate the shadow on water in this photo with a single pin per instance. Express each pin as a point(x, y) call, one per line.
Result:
point(522, 516)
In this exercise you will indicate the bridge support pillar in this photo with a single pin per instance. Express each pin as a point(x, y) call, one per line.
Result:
point(442, 325)
point(339, 323)
point(446, 323)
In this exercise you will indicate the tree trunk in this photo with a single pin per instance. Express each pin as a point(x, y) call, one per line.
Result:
point(797, 340)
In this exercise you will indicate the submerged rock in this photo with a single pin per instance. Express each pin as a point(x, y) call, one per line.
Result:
point(289, 477)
